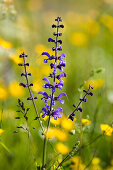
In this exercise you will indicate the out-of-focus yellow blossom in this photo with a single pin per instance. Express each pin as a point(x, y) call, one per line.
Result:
point(77, 163)
point(98, 83)
point(15, 59)
point(67, 123)
point(45, 70)
point(95, 161)
point(1, 131)
point(86, 122)
point(39, 49)
point(45, 118)
point(109, 1)
point(16, 90)
point(79, 39)
point(56, 133)
point(55, 122)
point(3, 93)
point(61, 148)
point(106, 129)
point(5, 44)
point(96, 167)
point(92, 27)
point(107, 20)
point(37, 86)
point(34, 71)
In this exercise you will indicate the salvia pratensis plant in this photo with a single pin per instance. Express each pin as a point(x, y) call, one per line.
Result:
point(53, 82)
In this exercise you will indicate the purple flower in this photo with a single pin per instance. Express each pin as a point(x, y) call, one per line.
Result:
point(61, 95)
point(56, 114)
point(45, 96)
point(45, 110)
point(47, 85)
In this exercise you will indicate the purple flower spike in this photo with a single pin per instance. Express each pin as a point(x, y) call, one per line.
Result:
point(45, 96)
point(56, 114)
point(61, 95)
point(47, 85)
point(45, 53)
point(51, 40)
point(22, 84)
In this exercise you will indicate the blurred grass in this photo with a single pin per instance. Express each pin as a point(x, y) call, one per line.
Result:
point(87, 43)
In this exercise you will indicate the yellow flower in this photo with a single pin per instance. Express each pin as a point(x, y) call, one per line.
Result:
point(3, 93)
point(37, 86)
point(106, 129)
point(86, 122)
point(77, 163)
point(95, 161)
point(5, 44)
point(107, 20)
point(79, 39)
point(67, 123)
point(61, 148)
point(55, 122)
point(15, 59)
point(56, 133)
point(45, 70)
point(92, 27)
point(1, 131)
point(45, 118)
point(16, 90)
point(39, 49)
point(98, 83)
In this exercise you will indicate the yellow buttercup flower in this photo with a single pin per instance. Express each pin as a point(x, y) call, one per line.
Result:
point(37, 86)
point(67, 123)
point(107, 20)
point(86, 122)
point(15, 90)
point(1, 131)
point(55, 122)
point(98, 83)
point(15, 59)
point(77, 163)
point(79, 39)
point(92, 27)
point(5, 44)
point(61, 148)
point(3, 93)
point(45, 118)
point(106, 129)
point(56, 133)
point(95, 161)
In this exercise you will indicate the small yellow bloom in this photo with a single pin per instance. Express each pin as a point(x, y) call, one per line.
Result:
point(3, 93)
point(77, 163)
point(95, 161)
point(5, 44)
point(15, 59)
point(1, 131)
point(61, 148)
point(45, 118)
point(55, 122)
point(79, 39)
point(16, 90)
point(56, 133)
point(107, 20)
point(106, 129)
point(37, 86)
point(67, 123)
point(86, 122)
point(98, 83)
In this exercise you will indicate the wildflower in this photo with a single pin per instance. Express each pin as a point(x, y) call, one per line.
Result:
point(1, 131)
point(98, 83)
point(79, 39)
point(5, 44)
point(95, 161)
point(107, 20)
point(15, 90)
point(84, 99)
point(58, 64)
point(3, 93)
point(77, 163)
point(67, 123)
point(106, 129)
point(61, 148)
point(86, 122)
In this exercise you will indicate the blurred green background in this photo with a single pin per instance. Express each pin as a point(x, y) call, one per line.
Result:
point(25, 25)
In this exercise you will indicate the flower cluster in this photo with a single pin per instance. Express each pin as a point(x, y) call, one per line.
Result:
point(84, 99)
point(58, 63)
